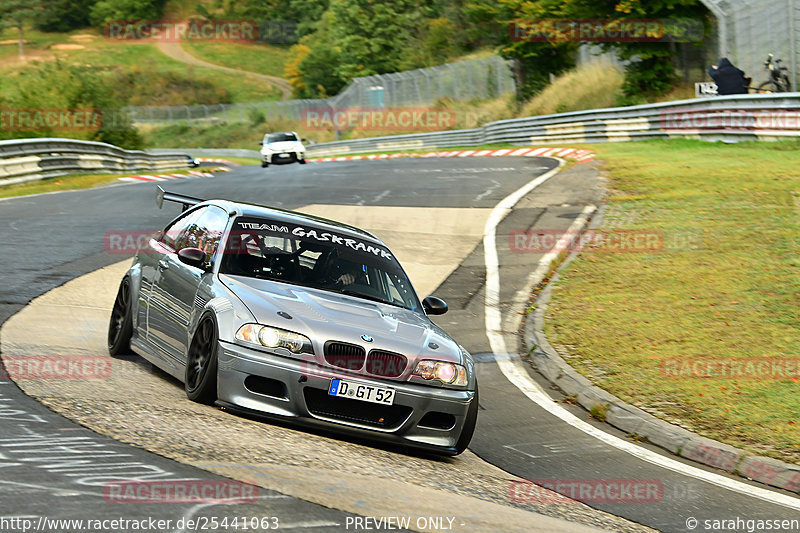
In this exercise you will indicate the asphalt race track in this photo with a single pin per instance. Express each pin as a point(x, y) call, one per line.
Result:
point(51, 239)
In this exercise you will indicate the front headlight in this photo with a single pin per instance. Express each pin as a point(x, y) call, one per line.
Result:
point(448, 373)
point(274, 338)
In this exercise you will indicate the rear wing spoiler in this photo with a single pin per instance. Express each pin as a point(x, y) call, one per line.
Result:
point(185, 201)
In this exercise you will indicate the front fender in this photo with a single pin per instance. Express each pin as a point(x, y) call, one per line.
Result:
point(230, 314)
point(134, 273)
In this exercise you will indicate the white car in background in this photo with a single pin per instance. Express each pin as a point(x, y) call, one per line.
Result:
point(283, 147)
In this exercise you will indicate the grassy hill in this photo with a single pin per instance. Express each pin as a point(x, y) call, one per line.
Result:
point(89, 47)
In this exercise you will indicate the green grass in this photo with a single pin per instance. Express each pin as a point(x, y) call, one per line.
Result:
point(147, 56)
point(222, 135)
point(69, 182)
point(594, 86)
point(246, 134)
point(243, 160)
point(267, 59)
point(725, 286)
point(102, 53)
point(35, 42)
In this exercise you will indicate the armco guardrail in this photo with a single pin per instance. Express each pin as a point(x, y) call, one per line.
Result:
point(724, 118)
point(31, 159)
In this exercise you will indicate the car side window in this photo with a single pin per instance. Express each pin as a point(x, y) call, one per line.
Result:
point(397, 290)
point(205, 231)
point(172, 233)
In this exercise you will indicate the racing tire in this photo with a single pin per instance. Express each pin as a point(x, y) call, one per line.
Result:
point(301, 161)
point(120, 326)
point(469, 425)
point(264, 164)
point(201, 362)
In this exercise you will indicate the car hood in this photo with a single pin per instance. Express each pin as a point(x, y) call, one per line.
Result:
point(284, 145)
point(328, 316)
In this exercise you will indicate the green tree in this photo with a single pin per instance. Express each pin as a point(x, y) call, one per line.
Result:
point(319, 62)
point(466, 35)
point(262, 9)
point(15, 14)
point(305, 12)
point(434, 44)
point(371, 35)
point(308, 13)
point(58, 86)
point(64, 15)
point(534, 62)
point(109, 10)
point(292, 71)
point(344, 39)
point(441, 32)
point(650, 67)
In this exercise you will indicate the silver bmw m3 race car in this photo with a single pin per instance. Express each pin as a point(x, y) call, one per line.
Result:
point(280, 314)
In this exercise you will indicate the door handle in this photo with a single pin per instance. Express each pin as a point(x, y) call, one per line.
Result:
point(163, 265)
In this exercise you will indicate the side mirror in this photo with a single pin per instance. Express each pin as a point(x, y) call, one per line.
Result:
point(304, 140)
point(261, 143)
point(434, 306)
point(193, 257)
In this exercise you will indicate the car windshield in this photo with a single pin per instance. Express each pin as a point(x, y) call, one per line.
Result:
point(280, 137)
point(317, 258)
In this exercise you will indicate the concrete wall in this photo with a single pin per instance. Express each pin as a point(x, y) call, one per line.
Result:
point(746, 31)
point(751, 29)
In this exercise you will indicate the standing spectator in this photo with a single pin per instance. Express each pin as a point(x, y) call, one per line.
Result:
point(729, 79)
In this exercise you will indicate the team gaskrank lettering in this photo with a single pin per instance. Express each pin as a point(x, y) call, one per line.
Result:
point(264, 227)
point(321, 236)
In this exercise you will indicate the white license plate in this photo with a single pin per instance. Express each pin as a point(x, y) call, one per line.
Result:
point(361, 391)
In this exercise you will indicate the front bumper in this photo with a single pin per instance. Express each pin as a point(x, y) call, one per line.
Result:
point(275, 158)
point(267, 384)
